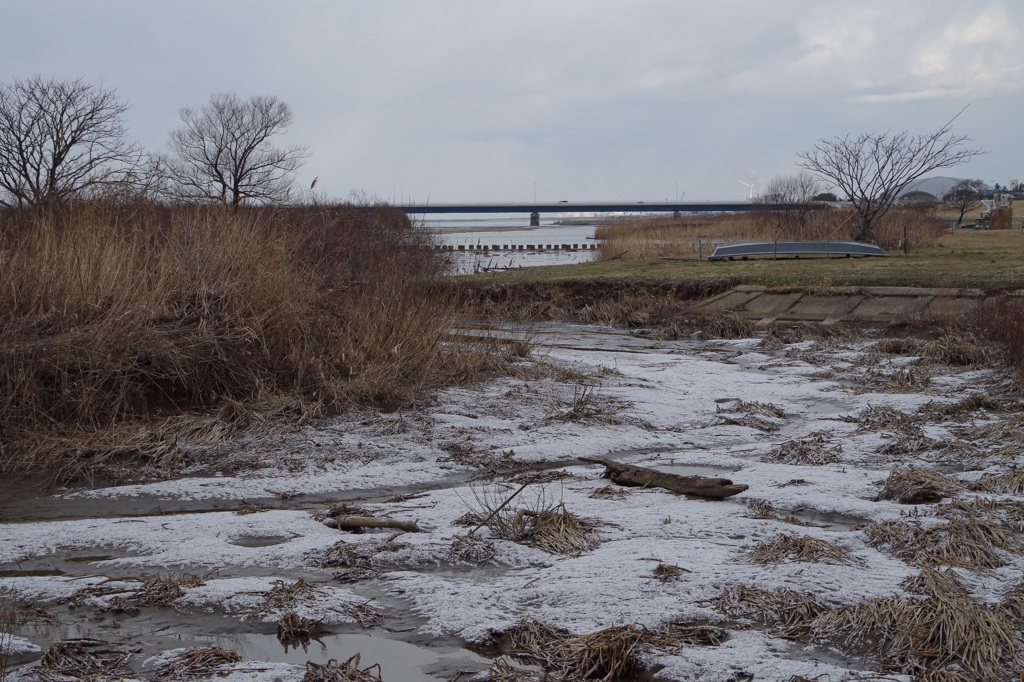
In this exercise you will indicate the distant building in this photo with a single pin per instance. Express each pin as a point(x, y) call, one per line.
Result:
point(927, 190)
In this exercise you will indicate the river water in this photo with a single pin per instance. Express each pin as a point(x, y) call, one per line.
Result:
point(478, 232)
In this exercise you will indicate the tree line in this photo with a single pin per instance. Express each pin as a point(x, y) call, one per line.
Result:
point(65, 139)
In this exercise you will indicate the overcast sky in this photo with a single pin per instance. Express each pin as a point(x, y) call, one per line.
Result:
point(499, 100)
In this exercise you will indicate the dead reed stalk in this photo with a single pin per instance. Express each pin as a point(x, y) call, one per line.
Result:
point(115, 317)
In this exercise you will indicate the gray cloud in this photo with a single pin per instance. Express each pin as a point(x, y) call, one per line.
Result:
point(589, 99)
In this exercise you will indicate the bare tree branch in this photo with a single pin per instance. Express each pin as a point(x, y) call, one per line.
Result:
point(223, 152)
point(964, 196)
point(872, 169)
point(60, 139)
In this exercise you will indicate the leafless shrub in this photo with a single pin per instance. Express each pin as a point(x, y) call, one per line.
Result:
point(792, 548)
point(585, 404)
point(918, 486)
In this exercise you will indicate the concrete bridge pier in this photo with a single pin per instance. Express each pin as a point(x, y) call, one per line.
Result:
point(535, 219)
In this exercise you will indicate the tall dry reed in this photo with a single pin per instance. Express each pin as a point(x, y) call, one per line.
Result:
point(114, 315)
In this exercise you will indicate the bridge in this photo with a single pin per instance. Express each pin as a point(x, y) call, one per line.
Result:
point(535, 209)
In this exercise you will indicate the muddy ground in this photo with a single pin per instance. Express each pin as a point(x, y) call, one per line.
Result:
point(880, 467)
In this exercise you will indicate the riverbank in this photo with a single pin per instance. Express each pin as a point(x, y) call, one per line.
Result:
point(882, 498)
point(990, 260)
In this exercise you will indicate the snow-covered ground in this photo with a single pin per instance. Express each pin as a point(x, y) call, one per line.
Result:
point(724, 408)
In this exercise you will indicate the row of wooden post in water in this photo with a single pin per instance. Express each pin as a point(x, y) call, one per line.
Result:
point(485, 248)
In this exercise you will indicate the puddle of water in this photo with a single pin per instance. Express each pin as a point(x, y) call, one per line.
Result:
point(708, 470)
point(402, 656)
point(827, 520)
point(16, 573)
point(259, 540)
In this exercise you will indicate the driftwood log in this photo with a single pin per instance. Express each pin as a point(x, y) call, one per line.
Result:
point(356, 522)
point(629, 474)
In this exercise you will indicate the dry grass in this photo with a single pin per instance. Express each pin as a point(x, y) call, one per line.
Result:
point(586, 403)
point(918, 486)
point(1011, 483)
point(1002, 320)
point(611, 654)
point(760, 416)
point(937, 633)
point(284, 596)
point(349, 671)
point(761, 509)
point(198, 663)
point(537, 522)
point(559, 531)
point(885, 418)
point(667, 572)
point(816, 449)
point(294, 630)
point(87, 659)
point(1009, 513)
point(971, 404)
point(944, 631)
point(784, 607)
point(970, 543)
point(121, 596)
point(804, 548)
point(116, 317)
point(695, 237)
point(658, 309)
point(1009, 430)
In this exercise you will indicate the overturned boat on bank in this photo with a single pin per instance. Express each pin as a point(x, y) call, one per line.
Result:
point(796, 249)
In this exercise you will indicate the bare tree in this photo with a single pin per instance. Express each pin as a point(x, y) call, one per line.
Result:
point(60, 139)
point(791, 189)
point(223, 152)
point(786, 208)
point(873, 168)
point(964, 196)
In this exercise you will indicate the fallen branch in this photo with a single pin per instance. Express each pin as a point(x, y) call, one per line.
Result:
point(356, 522)
point(631, 475)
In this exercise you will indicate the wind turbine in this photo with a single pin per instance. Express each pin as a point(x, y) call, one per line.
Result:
point(750, 188)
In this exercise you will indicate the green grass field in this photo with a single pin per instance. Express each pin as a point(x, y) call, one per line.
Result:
point(988, 260)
